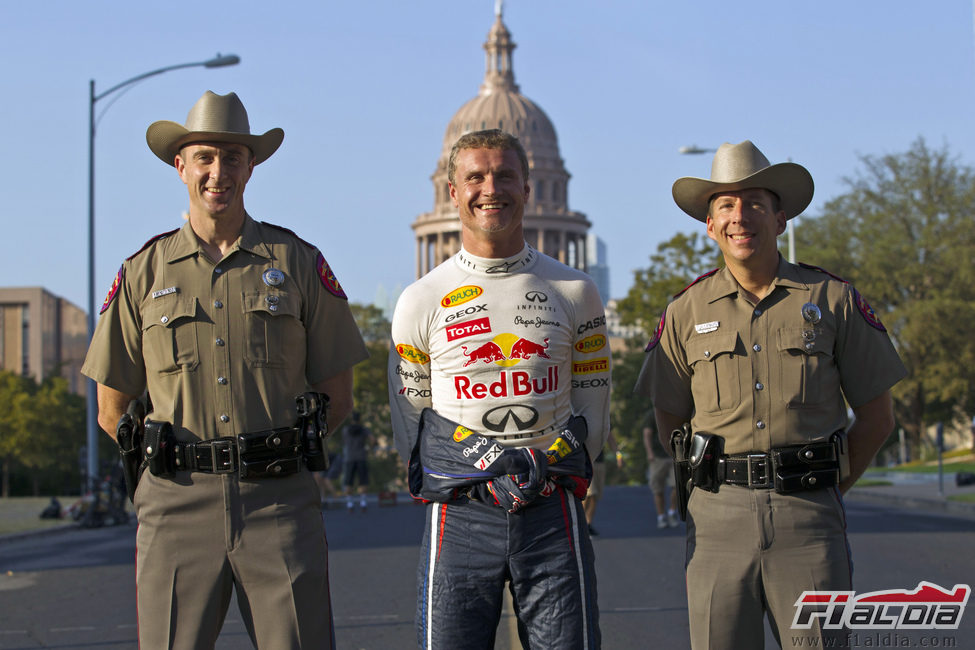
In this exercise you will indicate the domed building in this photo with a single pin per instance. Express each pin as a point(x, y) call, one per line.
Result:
point(549, 225)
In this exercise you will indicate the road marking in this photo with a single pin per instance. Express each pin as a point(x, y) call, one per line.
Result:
point(80, 628)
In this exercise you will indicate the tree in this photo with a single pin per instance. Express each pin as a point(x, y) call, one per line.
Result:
point(903, 236)
point(676, 264)
point(369, 389)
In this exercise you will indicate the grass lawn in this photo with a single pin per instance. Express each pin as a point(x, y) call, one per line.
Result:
point(19, 514)
point(871, 482)
point(965, 498)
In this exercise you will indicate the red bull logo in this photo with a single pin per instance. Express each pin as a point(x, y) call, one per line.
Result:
point(460, 295)
point(515, 383)
point(592, 343)
point(506, 350)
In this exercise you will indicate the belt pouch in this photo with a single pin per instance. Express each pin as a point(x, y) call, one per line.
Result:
point(159, 440)
point(269, 453)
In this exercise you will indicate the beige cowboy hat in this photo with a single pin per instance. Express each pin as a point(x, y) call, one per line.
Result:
point(740, 167)
point(214, 118)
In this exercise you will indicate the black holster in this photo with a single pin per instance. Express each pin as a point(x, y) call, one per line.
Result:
point(312, 413)
point(128, 435)
point(696, 458)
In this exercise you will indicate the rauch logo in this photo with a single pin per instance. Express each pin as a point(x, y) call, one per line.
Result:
point(461, 295)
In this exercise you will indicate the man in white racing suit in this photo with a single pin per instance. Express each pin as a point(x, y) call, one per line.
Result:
point(499, 382)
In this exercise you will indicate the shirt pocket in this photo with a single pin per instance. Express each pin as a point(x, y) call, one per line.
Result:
point(715, 379)
point(807, 370)
point(169, 337)
point(274, 336)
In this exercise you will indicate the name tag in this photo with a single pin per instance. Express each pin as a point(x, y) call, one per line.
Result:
point(163, 292)
point(704, 328)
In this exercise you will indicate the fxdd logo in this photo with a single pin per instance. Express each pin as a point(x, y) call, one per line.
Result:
point(521, 416)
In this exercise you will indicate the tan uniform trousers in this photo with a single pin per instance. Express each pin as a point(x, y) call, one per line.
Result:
point(755, 551)
point(200, 535)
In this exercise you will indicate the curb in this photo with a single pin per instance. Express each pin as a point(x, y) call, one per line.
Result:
point(938, 505)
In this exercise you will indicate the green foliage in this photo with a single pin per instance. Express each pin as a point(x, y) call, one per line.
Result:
point(903, 235)
point(676, 264)
point(41, 429)
point(369, 390)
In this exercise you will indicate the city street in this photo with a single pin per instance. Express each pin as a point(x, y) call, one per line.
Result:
point(75, 588)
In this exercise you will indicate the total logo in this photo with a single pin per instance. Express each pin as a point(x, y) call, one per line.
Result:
point(468, 328)
point(506, 350)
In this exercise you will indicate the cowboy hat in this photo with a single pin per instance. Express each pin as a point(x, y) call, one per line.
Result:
point(739, 167)
point(214, 118)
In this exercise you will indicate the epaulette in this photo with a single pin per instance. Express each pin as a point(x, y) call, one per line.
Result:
point(698, 279)
point(289, 231)
point(822, 270)
point(152, 241)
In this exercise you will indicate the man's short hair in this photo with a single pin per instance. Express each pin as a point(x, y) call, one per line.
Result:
point(489, 139)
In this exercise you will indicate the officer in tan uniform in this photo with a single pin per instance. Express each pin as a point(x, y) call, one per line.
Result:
point(224, 322)
point(761, 358)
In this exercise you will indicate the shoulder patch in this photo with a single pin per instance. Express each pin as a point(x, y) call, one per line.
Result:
point(867, 311)
point(112, 292)
point(152, 241)
point(703, 276)
point(328, 278)
point(655, 339)
point(290, 232)
point(822, 270)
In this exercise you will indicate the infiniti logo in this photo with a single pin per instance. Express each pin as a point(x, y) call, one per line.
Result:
point(536, 296)
point(497, 419)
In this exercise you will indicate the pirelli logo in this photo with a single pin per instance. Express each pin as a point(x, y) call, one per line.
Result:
point(589, 367)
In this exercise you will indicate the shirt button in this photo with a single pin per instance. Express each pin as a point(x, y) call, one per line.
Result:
point(759, 385)
point(222, 381)
point(164, 320)
point(225, 418)
point(707, 353)
point(217, 304)
point(758, 312)
point(757, 347)
point(760, 424)
point(219, 342)
point(218, 270)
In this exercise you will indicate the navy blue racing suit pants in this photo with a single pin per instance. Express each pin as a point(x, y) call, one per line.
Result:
point(470, 549)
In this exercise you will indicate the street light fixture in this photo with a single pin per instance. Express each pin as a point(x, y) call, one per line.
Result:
point(790, 225)
point(218, 61)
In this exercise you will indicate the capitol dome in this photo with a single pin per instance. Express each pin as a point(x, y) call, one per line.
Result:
point(549, 225)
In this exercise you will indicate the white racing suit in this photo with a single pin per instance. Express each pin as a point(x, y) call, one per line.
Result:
point(510, 350)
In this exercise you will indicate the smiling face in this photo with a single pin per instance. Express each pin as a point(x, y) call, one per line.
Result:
point(490, 192)
point(745, 225)
point(215, 174)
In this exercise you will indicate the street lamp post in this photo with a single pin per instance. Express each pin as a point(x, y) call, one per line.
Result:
point(790, 225)
point(92, 407)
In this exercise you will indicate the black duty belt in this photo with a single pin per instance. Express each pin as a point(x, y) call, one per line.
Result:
point(787, 469)
point(255, 455)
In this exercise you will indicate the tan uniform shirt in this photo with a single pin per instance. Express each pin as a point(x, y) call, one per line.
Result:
point(765, 375)
point(225, 347)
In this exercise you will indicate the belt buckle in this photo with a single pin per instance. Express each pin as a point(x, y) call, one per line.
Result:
point(758, 463)
point(222, 455)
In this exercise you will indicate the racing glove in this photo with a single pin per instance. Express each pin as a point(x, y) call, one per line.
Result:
point(515, 491)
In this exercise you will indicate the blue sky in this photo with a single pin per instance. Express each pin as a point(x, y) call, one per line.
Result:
point(364, 91)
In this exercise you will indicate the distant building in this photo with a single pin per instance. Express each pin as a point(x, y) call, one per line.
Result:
point(549, 225)
point(620, 336)
point(42, 335)
point(598, 265)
